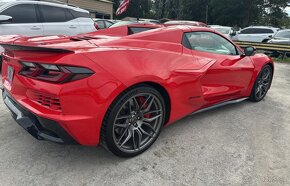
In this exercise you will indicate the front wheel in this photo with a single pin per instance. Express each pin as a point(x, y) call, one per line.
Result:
point(262, 84)
point(134, 121)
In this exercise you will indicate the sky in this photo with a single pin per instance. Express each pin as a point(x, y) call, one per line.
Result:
point(288, 10)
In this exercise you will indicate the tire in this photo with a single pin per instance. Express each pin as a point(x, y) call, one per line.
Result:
point(133, 122)
point(262, 84)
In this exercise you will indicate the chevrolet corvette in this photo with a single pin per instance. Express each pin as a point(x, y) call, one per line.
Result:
point(119, 87)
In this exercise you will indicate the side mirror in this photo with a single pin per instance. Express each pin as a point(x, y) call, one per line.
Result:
point(233, 33)
point(5, 19)
point(250, 51)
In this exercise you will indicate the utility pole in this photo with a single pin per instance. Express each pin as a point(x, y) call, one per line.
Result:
point(206, 15)
point(139, 10)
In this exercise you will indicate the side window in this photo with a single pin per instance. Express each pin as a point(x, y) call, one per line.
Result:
point(68, 15)
point(248, 31)
point(210, 42)
point(53, 14)
point(264, 31)
point(23, 13)
point(78, 14)
point(257, 31)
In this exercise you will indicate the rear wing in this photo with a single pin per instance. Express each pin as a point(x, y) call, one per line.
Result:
point(13, 47)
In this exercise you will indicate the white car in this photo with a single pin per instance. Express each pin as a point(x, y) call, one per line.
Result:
point(225, 30)
point(256, 34)
point(37, 18)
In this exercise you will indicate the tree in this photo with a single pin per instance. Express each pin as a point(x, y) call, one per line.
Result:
point(224, 12)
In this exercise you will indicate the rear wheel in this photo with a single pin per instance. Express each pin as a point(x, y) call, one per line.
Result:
point(262, 84)
point(134, 121)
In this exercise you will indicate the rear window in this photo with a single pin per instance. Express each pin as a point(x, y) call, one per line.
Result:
point(135, 30)
point(24, 13)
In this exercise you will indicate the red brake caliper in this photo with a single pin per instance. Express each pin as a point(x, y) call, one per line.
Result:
point(142, 101)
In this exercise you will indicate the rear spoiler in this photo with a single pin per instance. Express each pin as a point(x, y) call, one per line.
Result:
point(13, 47)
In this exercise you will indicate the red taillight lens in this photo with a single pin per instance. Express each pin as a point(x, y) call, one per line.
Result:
point(96, 25)
point(54, 73)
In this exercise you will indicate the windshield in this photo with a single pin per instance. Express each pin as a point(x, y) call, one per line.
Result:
point(223, 30)
point(285, 34)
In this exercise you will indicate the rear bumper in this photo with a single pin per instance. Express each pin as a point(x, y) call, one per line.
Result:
point(40, 128)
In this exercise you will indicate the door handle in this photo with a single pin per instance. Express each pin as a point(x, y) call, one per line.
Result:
point(35, 28)
point(72, 26)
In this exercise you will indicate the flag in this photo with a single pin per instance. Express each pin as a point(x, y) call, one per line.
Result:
point(123, 7)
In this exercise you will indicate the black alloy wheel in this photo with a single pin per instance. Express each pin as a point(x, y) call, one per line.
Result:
point(262, 84)
point(134, 121)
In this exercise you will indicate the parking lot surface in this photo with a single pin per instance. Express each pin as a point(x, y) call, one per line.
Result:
point(242, 144)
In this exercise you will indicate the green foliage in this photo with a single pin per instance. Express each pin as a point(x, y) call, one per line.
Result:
point(280, 60)
point(239, 13)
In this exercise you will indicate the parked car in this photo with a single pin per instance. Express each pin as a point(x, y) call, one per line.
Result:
point(225, 30)
point(37, 18)
point(281, 37)
point(256, 34)
point(103, 23)
point(121, 90)
point(180, 22)
point(123, 23)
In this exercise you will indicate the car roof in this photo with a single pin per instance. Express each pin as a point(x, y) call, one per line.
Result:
point(8, 3)
point(267, 27)
point(221, 27)
point(284, 30)
point(99, 19)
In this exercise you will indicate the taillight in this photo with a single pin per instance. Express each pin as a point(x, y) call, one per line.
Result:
point(96, 25)
point(54, 73)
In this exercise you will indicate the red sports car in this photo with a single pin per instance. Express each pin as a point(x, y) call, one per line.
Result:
point(119, 87)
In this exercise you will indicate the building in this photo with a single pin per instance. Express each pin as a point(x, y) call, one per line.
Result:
point(97, 8)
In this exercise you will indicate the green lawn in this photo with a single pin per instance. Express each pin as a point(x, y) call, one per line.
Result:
point(280, 60)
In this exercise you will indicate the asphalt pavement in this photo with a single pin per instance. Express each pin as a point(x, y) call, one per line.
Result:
point(242, 144)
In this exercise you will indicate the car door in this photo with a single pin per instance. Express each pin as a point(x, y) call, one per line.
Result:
point(248, 34)
point(230, 74)
point(58, 21)
point(263, 34)
point(25, 21)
